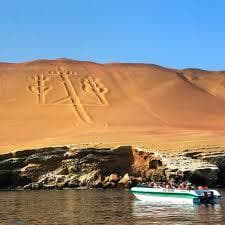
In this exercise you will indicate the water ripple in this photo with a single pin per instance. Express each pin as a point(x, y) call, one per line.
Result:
point(111, 207)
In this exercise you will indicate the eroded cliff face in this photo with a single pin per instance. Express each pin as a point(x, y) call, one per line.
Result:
point(68, 167)
point(147, 165)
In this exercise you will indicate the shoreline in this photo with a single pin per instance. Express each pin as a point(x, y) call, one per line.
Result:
point(96, 167)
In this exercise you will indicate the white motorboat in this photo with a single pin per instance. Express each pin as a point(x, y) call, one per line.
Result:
point(176, 196)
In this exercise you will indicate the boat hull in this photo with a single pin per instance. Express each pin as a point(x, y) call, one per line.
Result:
point(164, 199)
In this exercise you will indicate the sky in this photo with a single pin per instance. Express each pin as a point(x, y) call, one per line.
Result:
point(171, 33)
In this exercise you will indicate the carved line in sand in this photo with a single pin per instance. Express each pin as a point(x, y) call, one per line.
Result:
point(72, 94)
point(75, 99)
point(95, 86)
point(89, 85)
point(39, 87)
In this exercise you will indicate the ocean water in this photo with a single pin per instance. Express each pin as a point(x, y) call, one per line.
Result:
point(95, 206)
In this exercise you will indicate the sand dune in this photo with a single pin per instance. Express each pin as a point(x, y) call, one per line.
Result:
point(54, 102)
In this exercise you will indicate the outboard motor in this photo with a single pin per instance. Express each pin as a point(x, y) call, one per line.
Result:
point(207, 197)
point(203, 198)
point(210, 197)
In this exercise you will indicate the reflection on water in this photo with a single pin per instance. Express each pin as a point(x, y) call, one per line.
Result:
point(178, 214)
point(66, 207)
point(113, 207)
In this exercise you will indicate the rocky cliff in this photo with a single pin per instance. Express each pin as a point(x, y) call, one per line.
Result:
point(69, 167)
point(177, 116)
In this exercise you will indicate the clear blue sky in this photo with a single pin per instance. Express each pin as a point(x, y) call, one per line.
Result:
point(173, 33)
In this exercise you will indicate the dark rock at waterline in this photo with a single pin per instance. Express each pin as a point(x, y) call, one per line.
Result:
point(125, 166)
point(11, 163)
point(33, 186)
point(5, 178)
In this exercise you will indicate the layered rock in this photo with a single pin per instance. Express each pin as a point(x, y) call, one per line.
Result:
point(64, 167)
point(198, 171)
point(124, 166)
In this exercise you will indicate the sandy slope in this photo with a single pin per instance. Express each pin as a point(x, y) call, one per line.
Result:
point(69, 102)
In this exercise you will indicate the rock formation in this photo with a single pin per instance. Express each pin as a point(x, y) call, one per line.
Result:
point(175, 116)
point(124, 166)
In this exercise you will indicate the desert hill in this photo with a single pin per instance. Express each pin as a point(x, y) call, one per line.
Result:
point(56, 102)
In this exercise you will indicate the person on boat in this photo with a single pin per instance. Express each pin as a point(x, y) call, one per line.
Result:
point(190, 186)
point(200, 188)
point(151, 184)
point(168, 186)
point(183, 186)
point(207, 197)
point(173, 185)
point(210, 197)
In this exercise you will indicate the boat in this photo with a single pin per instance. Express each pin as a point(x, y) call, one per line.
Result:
point(176, 196)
